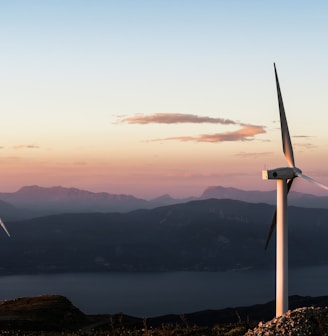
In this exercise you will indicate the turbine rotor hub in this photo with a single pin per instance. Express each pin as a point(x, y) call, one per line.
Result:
point(297, 171)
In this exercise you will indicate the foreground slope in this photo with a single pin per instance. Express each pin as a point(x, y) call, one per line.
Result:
point(46, 312)
point(55, 315)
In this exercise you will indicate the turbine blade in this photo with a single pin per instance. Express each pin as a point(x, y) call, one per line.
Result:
point(272, 227)
point(4, 227)
point(310, 179)
point(286, 142)
point(274, 218)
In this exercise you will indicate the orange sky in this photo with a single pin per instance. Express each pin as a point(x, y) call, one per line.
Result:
point(148, 98)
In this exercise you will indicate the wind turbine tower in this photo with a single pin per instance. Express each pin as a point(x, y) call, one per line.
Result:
point(284, 177)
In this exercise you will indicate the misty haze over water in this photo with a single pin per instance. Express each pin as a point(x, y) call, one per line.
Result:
point(154, 294)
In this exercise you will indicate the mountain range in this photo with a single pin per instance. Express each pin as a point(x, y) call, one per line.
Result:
point(202, 235)
point(35, 201)
point(253, 196)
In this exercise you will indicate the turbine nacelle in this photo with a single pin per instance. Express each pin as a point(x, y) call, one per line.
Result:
point(285, 173)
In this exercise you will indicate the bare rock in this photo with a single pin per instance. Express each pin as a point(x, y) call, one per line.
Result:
point(299, 322)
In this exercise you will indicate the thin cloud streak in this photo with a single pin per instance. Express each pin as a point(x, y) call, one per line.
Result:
point(302, 136)
point(246, 133)
point(175, 118)
point(253, 155)
point(25, 147)
point(305, 145)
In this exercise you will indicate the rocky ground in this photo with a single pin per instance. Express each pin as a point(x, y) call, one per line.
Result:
point(299, 322)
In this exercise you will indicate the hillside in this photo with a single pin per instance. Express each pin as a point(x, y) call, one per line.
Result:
point(209, 235)
point(269, 197)
point(55, 315)
point(46, 312)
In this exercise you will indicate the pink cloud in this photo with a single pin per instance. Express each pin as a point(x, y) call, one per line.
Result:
point(246, 133)
point(174, 118)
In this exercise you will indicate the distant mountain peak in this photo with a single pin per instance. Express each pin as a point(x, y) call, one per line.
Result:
point(165, 197)
point(61, 199)
point(269, 197)
point(64, 192)
point(30, 188)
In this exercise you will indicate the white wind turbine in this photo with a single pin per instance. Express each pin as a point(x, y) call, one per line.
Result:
point(284, 177)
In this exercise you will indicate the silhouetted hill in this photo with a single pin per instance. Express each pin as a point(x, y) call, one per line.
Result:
point(258, 312)
point(35, 201)
point(167, 200)
point(60, 200)
point(269, 197)
point(207, 235)
point(46, 312)
point(8, 212)
point(55, 313)
point(251, 196)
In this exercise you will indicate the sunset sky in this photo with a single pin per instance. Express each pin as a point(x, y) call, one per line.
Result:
point(147, 97)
